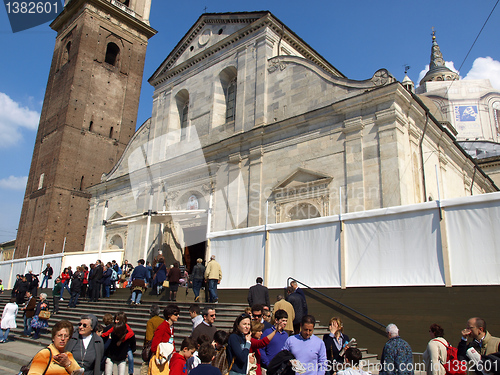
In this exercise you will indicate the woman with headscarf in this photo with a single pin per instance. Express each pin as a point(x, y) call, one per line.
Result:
point(87, 346)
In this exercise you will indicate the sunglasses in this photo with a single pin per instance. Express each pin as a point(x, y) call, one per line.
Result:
point(84, 325)
point(212, 315)
point(176, 314)
point(256, 316)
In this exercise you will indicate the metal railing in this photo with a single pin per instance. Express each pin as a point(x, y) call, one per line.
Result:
point(337, 302)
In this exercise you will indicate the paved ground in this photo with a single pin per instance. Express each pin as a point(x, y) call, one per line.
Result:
point(16, 353)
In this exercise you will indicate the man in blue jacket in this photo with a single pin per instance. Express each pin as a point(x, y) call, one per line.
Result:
point(268, 352)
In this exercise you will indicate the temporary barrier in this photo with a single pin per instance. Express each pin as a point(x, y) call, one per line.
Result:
point(439, 243)
point(10, 268)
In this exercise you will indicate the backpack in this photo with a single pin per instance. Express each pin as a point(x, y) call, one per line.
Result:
point(114, 275)
point(453, 365)
point(220, 361)
point(26, 368)
point(159, 364)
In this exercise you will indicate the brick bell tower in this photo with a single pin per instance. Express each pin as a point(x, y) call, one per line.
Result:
point(88, 117)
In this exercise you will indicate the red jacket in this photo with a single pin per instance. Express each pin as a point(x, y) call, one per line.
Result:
point(162, 334)
point(178, 364)
point(128, 335)
point(65, 277)
point(254, 348)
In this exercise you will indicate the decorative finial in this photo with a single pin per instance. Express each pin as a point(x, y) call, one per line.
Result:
point(433, 33)
point(205, 10)
point(407, 67)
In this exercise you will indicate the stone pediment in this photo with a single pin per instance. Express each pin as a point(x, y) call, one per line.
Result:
point(211, 33)
point(302, 178)
point(215, 32)
point(116, 215)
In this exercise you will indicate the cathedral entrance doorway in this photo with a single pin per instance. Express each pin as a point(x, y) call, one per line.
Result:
point(195, 247)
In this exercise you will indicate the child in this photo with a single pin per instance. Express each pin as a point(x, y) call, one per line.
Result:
point(220, 359)
point(117, 351)
point(352, 358)
point(99, 329)
point(206, 353)
point(194, 361)
point(178, 362)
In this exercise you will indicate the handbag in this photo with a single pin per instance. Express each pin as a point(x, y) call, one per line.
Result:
point(44, 315)
point(24, 370)
point(166, 284)
point(146, 351)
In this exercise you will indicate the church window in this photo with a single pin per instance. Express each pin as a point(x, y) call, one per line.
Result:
point(303, 211)
point(225, 106)
point(91, 125)
point(66, 50)
point(184, 120)
point(111, 132)
point(81, 183)
point(231, 101)
point(112, 53)
point(182, 99)
point(40, 181)
point(125, 2)
point(220, 31)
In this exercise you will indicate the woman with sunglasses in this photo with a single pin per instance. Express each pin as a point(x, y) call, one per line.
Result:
point(87, 346)
point(238, 346)
point(165, 331)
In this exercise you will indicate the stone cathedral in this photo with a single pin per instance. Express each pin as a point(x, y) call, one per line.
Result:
point(250, 125)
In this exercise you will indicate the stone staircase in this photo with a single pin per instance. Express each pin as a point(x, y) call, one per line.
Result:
point(138, 317)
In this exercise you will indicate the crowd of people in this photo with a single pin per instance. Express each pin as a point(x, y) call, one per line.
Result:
point(261, 341)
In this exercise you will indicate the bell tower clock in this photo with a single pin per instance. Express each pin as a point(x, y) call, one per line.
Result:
point(88, 117)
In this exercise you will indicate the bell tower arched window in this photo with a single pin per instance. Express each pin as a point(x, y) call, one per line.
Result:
point(112, 54)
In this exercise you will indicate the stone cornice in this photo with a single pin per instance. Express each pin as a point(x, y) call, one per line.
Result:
point(73, 8)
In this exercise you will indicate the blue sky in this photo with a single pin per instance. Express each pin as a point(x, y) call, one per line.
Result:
point(358, 37)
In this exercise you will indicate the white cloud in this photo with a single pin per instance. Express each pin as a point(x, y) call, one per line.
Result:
point(485, 68)
point(448, 64)
point(14, 183)
point(13, 118)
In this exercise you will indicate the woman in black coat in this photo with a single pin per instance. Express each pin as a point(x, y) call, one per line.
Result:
point(335, 341)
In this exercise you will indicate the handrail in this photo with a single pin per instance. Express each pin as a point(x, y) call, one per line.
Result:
point(334, 300)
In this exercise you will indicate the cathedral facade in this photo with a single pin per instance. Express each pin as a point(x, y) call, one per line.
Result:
point(250, 125)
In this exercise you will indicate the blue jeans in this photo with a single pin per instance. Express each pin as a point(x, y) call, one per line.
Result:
point(65, 286)
point(212, 288)
point(46, 281)
point(105, 290)
point(130, 361)
point(74, 299)
point(27, 325)
point(197, 283)
point(137, 295)
point(5, 334)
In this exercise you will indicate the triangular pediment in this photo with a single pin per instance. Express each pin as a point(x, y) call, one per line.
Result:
point(215, 32)
point(211, 30)
point(301, 177)
point(116, 215)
